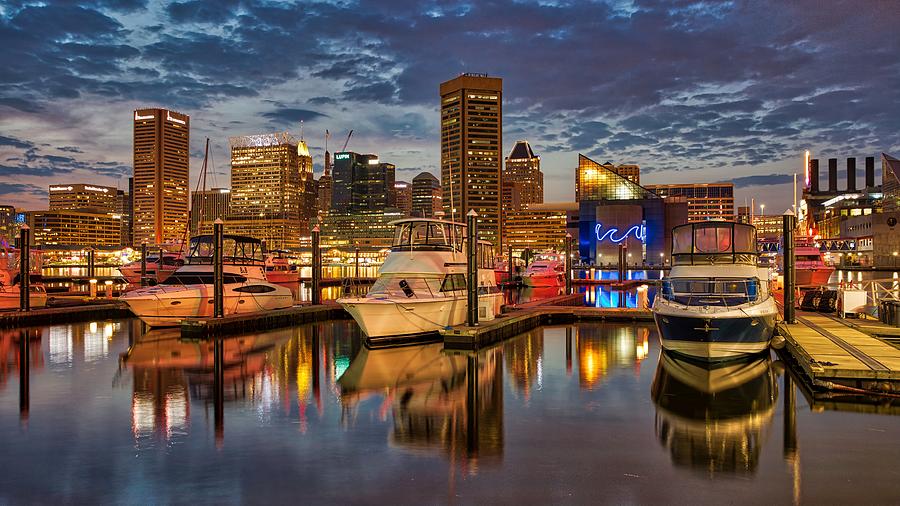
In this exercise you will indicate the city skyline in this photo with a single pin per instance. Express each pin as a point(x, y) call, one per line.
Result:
point(691, 93)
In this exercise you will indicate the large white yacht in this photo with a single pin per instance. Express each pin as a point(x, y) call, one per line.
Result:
point(714, 304)
point(10, 286)
point(421, 287)
point(549, 269)
point(159, 266)
point(188, 292)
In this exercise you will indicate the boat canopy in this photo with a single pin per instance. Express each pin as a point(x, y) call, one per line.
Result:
point(236, 249)
point(714, 242)
point(423, 234)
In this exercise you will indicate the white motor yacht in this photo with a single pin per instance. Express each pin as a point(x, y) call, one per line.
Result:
point(713, 304)
point(188, 293)
point(421, 287)
point(547, 270)
point(158, 267)
point(10, 287)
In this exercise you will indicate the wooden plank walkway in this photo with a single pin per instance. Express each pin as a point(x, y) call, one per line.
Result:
point(828, 349)
point(65, 314)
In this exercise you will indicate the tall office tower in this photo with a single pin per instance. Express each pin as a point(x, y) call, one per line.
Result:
point(123, 210)
point(426, 195)
point(403, 197)
point(361, 184)
point(161, 166)
point(705, 201)
point(271, 189)
point(206, 207)
point(471, 140)
point(83, 197)
point(324, 184)
point(8, 228)
point(523, 171)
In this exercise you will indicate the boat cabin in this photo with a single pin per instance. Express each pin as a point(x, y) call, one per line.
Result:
point(427, 234)
point(714, 242)
point(237, 249)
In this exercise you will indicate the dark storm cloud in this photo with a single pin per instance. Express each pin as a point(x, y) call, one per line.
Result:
point(288, 115)
point(17, 189)
point(760, 180)
point(16, 143)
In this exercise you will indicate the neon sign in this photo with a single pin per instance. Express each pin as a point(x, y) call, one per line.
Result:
point(342, 156)
point(639, 232)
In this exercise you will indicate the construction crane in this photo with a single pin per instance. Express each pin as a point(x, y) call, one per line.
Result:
point(347, 141)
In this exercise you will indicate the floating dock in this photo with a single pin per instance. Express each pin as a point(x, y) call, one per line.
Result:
point(198, 328)
point(63, 314)
point(830, 353)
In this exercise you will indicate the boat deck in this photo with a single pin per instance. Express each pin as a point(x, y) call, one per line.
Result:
point(829, 349)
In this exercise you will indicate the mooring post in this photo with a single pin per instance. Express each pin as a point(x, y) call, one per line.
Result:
point(24, 374)
point(25, 268)
point(90, 263)
point(144, 262)
point(790, 280)
point(316, 267)
point(511, 269)
point(218, 269)
point(568, 263)
point(472, 267)
point(622, 257)
point(356, 260)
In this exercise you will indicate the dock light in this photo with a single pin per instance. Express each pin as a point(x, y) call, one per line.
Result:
point(109, 288)
point(894, 253)
point(93, 285)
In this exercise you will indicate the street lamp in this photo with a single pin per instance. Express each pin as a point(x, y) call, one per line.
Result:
point(762, 208)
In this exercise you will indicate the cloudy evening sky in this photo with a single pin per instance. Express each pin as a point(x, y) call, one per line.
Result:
point(691, 91)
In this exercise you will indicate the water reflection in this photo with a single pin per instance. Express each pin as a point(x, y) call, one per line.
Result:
point(524, 359)
point(603, 347)
point(439, 400)
point(714, 418)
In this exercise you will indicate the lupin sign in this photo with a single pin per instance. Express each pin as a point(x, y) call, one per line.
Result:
point(639, 232)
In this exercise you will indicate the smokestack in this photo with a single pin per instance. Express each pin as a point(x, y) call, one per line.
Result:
point(851, 174)
point(832, 175)
point(814, 176)
point(870, 171)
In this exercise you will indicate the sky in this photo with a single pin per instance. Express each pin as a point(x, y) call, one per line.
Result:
point(692, 91)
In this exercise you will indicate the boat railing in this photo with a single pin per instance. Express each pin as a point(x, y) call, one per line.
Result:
point(711, 291)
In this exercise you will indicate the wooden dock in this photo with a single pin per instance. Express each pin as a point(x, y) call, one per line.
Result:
point(829, 351)
point(65, 314)
point(198, 328)
point(486, 333)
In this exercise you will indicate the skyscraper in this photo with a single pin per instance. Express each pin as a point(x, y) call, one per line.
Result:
point(362, 184)
point(596, 181)
point(471, 139)
point(323, 203)
point(403, 197)
point(705, 201)
point(524, 168)
point(83, 197)
point(161, 166)
point(272, 195)
point(207, 206)
point(426, 195)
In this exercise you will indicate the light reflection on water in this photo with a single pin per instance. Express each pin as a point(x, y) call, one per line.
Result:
point(584, 413)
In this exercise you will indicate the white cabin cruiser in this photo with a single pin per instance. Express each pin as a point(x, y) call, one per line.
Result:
point(188, 293)
point(421, 287)
point(714, 304)
point(545, 273)
point(10, 284)
point(159, 266)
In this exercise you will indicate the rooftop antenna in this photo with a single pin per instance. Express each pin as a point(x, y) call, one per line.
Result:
point(301, 129)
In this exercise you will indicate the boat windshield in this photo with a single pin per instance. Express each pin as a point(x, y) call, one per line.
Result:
point(201, 278)
point(428, 236)
point(402, 286)
point(711, 291)
point(236, 249)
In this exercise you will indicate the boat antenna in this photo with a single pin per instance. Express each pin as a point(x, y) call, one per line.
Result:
point(201, 178)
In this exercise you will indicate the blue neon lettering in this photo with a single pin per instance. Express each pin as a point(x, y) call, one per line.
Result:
point(639, 232)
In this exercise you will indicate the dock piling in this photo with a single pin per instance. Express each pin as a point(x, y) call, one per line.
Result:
point(144, 263)
point(218, 270)
point(316, 267)
point(24, 375)
point(568, 263)
point(472, 267)
point(25, 268)
point(790, 280)
point(90, 262)
point(511, 269)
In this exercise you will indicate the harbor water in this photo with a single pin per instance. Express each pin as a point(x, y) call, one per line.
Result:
point(591, 413)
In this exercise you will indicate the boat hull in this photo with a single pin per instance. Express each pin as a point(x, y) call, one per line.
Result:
point(380, 318)
point(161, 307)
point(813, 277)
point(10, 299)
point(544, 280)
point(713, 337)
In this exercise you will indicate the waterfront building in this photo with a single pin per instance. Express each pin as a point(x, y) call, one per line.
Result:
point(207, 206)
point(596, 181)
point(272, 189)
point(768, 227)
point(343, 230)
point(74, 229)
point(613, 210)
point(161, 167)
point(541, 226)
point(706, 201)
point(403, 197)
point(471, 140)
point(426, 195)
point(822, 212)
point(83, 197)
point(123, 210)
point(9, 229)
point(890, 182)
